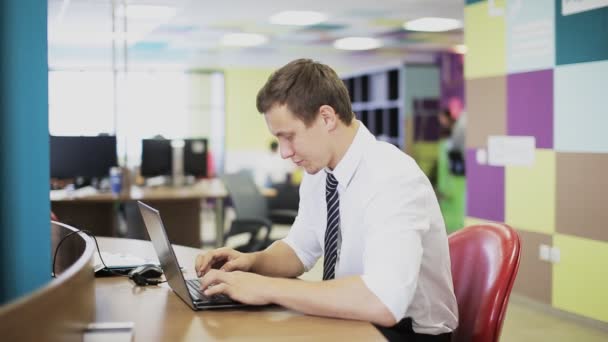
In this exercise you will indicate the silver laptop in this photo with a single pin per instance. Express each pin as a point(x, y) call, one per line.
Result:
point(188, 290)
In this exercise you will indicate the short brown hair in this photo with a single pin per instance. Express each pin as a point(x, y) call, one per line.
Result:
point(304, 86)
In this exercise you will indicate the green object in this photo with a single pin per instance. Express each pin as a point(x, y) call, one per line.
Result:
point(425, 154)
point(451, 191)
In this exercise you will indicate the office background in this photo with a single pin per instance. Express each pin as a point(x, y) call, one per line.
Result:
point(529, 71)
point(533, 70)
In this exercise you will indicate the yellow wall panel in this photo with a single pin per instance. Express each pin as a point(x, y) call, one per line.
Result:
point(485, 38)
point(245, 127)
point(530, 194)
point(580, 278)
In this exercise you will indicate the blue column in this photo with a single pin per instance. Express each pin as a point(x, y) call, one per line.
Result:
point(25, 254)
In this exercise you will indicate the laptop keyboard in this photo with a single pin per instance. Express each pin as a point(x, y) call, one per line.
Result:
point(198, 295)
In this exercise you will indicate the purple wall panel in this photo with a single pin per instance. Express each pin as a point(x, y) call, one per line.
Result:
point(530, 106)
point(485, 189)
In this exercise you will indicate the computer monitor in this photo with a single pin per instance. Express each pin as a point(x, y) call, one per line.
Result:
point(195, 157)
point(156, 157)
point(78, 156)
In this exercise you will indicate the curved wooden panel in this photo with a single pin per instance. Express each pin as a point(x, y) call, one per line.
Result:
point(60, 310)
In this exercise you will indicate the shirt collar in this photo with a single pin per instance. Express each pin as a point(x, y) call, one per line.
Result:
point(346, 168)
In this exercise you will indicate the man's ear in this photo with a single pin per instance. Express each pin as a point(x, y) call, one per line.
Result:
point(329, 117)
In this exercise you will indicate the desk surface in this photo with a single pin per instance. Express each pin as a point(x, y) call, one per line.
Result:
point(159, 315)
point(206, 188)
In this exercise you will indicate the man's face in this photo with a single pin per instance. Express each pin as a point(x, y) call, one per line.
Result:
point(306, 146)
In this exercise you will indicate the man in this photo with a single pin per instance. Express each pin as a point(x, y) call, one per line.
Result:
point(364, 205)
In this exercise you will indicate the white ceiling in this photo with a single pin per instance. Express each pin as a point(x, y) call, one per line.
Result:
point(80, 32)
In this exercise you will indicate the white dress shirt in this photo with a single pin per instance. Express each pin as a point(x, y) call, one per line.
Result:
point(393, 234)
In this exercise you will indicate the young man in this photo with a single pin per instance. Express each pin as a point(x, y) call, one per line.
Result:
point(364, 205)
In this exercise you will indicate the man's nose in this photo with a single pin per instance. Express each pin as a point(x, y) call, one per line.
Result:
point(286, 151)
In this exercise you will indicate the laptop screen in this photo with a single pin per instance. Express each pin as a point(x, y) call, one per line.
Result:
point(166, 256)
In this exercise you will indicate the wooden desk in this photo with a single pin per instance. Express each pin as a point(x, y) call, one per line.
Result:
point(159, 315)
point(179, 207)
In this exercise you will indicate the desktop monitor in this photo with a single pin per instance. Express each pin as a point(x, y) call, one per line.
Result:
point(156, 157)
point(195, 157)
point(78, 156)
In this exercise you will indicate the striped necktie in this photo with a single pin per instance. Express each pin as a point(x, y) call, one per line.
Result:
point(332, 232)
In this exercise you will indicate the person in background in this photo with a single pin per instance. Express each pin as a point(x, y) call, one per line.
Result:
point(365, 207)
point(446, 123)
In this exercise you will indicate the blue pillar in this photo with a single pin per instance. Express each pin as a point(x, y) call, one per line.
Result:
point(25, 254)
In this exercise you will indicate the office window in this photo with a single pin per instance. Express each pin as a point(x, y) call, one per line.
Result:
point(81, 103)
point(174, 104)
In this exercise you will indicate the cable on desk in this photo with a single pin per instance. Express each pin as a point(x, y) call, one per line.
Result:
point(137, 278)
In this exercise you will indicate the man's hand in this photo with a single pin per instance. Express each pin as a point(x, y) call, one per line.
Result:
point(245, 287)
point(226, 259)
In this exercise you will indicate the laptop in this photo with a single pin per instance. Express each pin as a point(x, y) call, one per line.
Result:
point(188, 290)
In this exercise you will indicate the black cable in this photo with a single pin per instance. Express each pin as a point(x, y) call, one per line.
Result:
point(137, 278)
point(53, 274)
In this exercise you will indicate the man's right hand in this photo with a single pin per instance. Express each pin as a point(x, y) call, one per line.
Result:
point(225, 259)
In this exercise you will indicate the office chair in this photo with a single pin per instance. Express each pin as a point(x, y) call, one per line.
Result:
point(283, 208)
point(485, 259)
point(251, 211)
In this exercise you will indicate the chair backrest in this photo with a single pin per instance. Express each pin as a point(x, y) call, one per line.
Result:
point(248, 201)
point(485, 260)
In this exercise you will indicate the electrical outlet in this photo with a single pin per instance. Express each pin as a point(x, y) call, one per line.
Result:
point(544, 252)
point(555, 255)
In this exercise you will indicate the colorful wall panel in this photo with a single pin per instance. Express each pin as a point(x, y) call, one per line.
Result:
point(579, 283)
point(531, 267)
point(486, 115)
point(530, 194)
point(552, 87)
point(582, 187)
point(581, 37)
point(481, 203)
point(486, 45)
point(530, 31)
point(580, 106)
point(530, 106)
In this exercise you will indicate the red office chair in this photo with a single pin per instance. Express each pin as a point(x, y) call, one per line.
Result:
point(485, 260)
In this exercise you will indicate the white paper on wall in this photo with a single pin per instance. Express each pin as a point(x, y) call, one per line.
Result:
point(511, 150)
point(577, 6)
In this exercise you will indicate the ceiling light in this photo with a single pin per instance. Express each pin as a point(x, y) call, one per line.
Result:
point(357, 43)
point(243, 39)
point(431, 24)
point(298, 18)
point(460, 48)
point(88, 38)
point(146, 12)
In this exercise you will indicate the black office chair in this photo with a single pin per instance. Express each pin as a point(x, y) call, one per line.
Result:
point(251, 211)
point(283, 208)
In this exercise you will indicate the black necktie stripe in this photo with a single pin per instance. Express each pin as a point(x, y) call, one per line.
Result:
point(332, 232)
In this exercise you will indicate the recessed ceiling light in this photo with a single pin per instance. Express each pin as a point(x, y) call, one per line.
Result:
point(146, 12)
point(298, 18)
point(431, 24)
point(357, 43)
point(243, 39)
